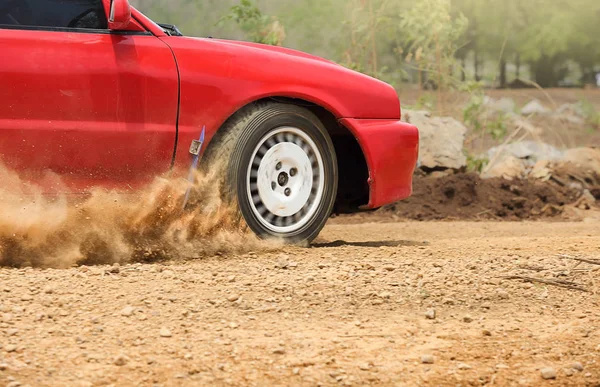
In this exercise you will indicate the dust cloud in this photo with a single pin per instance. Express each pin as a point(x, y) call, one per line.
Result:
point(110, 227)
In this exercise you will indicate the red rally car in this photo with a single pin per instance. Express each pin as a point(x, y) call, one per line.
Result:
point(99, 94)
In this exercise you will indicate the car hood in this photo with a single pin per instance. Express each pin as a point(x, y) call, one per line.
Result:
point(266, 70)
point(277, 49)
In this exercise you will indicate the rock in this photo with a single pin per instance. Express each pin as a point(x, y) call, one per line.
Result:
point(503, 105)
point(365, 366)
point(430, 314)
point(571, 118)
point(514, 160)
point(114, 269)
point(127, 311)
point(463, 366)
point(10, 348)
point(121, 360)
point(548, 373)
point(508, 168)
point(164, 332)
point(233, 298)
point(486, 332)
point(588, 159)
point(279, 351)
point(577, 366)
point(534, 107)
point(468, 319)
point(571, 109)
point(26, 297)
point(569, 371)
point(282, 263)
point(531, 151)
point(14, 384)
point(441, 140)
point(427, 359)
point(541, 170)
point(3, 366)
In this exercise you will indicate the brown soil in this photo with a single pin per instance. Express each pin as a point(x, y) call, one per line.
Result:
point(467, 196)
point(352, 311)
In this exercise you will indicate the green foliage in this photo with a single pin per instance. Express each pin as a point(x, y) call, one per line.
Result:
point(476, 164)
point(259, 28)
point(425, 102)
point(473, 110)
point(497, 128)
point(427, 35)
point(592, 116)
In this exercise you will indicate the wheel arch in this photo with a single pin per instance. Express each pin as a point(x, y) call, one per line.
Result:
point(353, 170)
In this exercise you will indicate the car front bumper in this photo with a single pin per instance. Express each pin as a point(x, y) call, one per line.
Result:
point(391, 149)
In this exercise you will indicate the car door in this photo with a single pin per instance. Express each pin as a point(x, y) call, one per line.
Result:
point(94, 106)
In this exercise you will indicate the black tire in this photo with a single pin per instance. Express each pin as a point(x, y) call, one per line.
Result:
point(234, 149)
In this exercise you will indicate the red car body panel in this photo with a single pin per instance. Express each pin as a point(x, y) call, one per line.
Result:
point(391, 149)
point(116, 109)
point(91, 107)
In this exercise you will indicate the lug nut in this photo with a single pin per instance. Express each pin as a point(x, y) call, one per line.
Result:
point(293, 172)
point(288, 192)
point(278, 166)
point(273, 185)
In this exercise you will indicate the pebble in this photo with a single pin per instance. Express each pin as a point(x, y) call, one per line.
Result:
point(365, 367)
point(164, 332)
point(10, 348)
point(569, 371)
point(486, 332)
point(577, 366)
point(121, 360)
point(430, 314)
point(3, 366)
point(233, 298)
point(427, 359)
point(468, 319)
point(282, 264)
point(463, 366)
point(279, 351)
point(127, 311)
point(26, 297)
point(548, 373)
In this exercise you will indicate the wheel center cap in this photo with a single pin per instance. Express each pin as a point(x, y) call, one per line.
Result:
point(283, 179)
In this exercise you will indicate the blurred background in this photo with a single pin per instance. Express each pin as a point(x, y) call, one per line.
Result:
point(498, 42)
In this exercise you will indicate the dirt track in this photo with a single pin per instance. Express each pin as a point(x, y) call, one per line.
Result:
point(349, 313)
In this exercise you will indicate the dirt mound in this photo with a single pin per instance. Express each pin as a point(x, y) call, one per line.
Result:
point(467, 196)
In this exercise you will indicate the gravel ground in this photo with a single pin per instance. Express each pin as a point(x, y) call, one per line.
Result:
point(368, 304)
